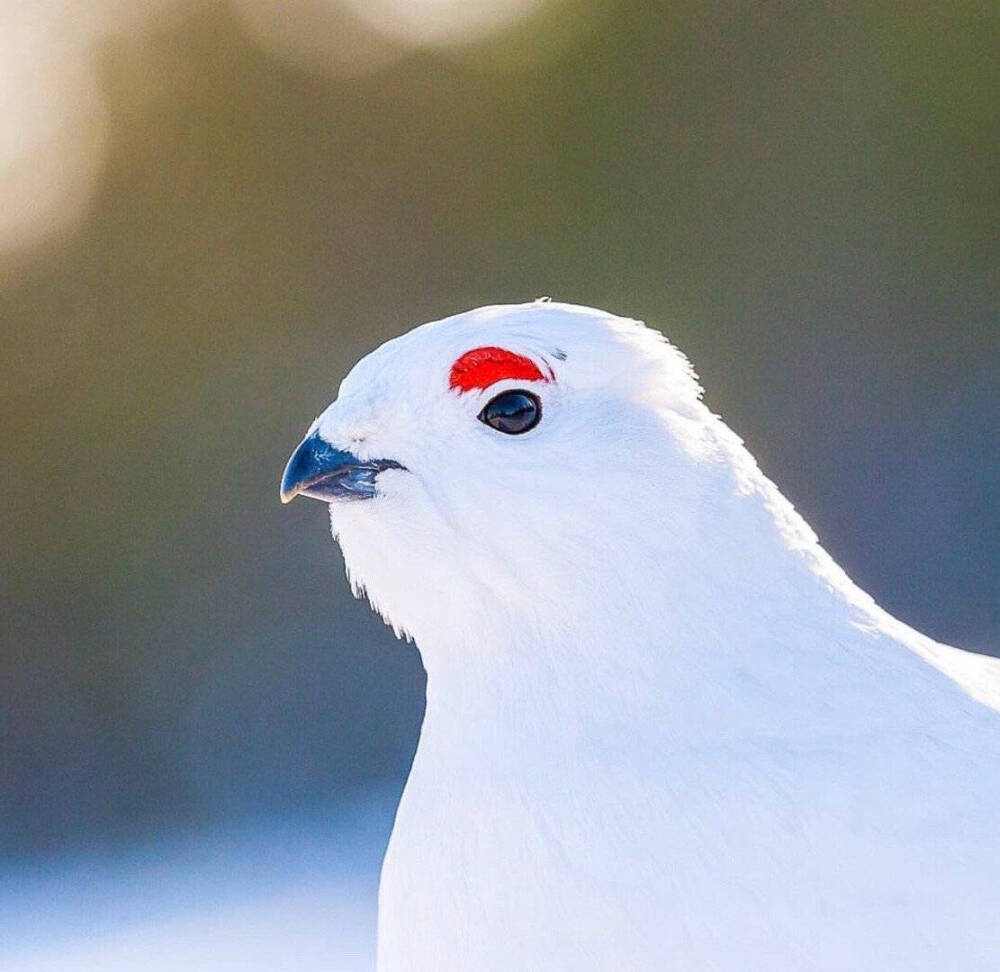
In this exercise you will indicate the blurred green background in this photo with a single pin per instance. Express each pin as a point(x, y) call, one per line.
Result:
point(209, 211)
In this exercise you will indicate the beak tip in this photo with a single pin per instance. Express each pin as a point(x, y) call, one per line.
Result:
point(299, 469)
point(290, 487)
point(291, 483)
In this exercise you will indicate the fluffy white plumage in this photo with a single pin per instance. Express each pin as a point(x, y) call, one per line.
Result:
point(664, 730)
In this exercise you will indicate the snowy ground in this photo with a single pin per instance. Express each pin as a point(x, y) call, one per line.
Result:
point(270, 897)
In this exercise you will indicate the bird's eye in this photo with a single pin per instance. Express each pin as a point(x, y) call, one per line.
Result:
point(512, 412)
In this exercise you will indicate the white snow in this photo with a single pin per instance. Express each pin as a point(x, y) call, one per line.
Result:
point(281, 896)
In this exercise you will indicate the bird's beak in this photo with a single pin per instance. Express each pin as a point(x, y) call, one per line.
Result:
point(318, 470)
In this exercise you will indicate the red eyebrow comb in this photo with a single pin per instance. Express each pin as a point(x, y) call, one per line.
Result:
point(483, 367)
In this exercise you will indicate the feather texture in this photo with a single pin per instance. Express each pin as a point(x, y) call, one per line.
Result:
point(664, 730)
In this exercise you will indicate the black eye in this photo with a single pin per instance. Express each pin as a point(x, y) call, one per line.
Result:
point(512, 412)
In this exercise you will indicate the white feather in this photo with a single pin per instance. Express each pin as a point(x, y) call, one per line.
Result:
point(664, 730)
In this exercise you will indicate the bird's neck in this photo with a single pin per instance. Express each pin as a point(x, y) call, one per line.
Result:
point(738, 642)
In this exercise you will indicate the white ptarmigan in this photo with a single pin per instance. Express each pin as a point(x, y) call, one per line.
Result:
point(664, 730)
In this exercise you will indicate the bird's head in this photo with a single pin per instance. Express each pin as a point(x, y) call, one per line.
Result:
point(475, 462)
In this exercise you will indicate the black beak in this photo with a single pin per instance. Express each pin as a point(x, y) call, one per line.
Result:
point(322, 472)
